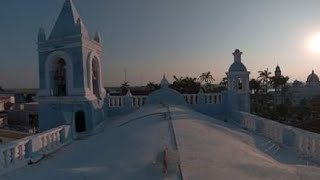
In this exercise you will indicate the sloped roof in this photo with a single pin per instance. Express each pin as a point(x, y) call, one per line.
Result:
point(68, 23)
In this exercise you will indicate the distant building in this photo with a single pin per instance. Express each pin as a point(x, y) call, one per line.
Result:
point(24, 117)
point(305, 91)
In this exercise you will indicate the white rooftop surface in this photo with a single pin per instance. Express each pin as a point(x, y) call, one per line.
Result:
point(209, 149)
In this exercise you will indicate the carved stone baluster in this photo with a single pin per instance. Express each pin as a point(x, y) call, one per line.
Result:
point(23, 151)
point(44, 142)
point(54, 139)
point(13, 155)
point(2, 159)
point(7, 156)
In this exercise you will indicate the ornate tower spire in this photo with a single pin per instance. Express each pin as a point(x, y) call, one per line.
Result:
point(67, 23)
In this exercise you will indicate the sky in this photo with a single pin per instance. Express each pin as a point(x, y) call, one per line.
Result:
point(150, 38)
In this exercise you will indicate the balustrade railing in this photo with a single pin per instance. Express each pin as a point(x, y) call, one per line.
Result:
point(18, 153)
point(51, 139)
point(139, 101)
point(306, 143)
point(116, 101)
point(12, 154)
point(208, 98)
point(122, 101)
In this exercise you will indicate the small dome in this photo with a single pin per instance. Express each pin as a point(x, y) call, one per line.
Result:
point(166, 96)
point(297, 83)
point(237, 67)
point(312, 78)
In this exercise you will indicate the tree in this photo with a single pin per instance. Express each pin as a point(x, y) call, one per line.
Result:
point(187, 85)
point(124, 87)
point(264, 78)
point(254, 85)
point(152, 86)
point(279, 82)
point(224, 82)
point(207, 78)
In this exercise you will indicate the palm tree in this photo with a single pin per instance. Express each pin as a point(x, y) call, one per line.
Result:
point(279, 82)
point(207, 78)
point(264, 78)
point(187, 85)
point(254, 85)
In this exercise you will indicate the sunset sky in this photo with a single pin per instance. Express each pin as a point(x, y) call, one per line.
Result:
point(175, 37)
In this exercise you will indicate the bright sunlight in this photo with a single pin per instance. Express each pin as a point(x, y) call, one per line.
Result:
point(314, 43)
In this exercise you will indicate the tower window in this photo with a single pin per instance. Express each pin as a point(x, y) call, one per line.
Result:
point(59, 78)
point(95, 77)
point(240, 84)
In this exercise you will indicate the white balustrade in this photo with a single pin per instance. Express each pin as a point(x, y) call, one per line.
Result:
point(119, 101)
point(307, 144)
point(116, 101)
point(50, 139)
point(17, 153)
point(208, 98)
point(13, 154)
point(138, 101)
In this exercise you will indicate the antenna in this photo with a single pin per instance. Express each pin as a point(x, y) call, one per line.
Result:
point(125, 74)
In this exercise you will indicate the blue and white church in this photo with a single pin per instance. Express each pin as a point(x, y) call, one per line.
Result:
point(71, 89)
point(164, 135)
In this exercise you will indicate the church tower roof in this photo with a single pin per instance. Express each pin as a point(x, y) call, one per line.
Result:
point(237, 65)
point(68, 23)
point(278, 69)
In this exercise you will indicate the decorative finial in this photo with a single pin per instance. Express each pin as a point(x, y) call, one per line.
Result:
point(237, 55)
point(97, 37)
point(41, 35)
point(129, 93)
point(164, 82)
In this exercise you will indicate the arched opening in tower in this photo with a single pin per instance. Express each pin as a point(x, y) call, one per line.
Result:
point(59, 80)
point(95, 77)
point(240, 84)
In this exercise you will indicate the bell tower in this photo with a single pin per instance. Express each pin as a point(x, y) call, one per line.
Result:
point(238, 83)
point(70, 82)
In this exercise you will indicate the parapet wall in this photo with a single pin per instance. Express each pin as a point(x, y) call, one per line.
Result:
point(306, 143)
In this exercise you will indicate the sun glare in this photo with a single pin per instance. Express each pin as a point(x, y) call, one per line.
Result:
point(314, 44)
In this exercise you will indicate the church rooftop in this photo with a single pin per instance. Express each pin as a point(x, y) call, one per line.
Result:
point(131, 148)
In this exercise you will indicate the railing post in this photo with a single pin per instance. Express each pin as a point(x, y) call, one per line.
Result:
point(201, 97)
